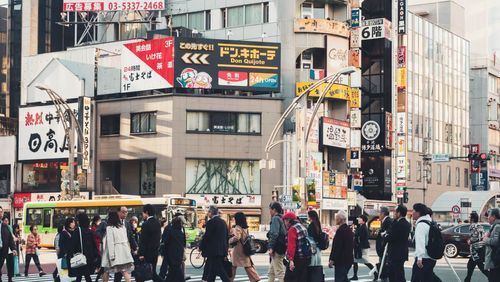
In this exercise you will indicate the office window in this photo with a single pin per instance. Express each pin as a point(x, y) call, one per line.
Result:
point(253, 14)
point(148, 177)
point(196, 21)
point(110, 125)
point(235, 16)
point(457, 177)
point(448, 175)
point(419, 171)
point(408, 170)
point(438, 175)
point(224, 122)
point(179, 20)
point(266, 13)
point(143, 122)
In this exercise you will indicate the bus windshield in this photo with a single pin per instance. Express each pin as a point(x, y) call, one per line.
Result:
point(189, 214)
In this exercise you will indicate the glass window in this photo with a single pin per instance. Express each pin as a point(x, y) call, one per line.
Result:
point(253, 14)
point(43, 176)
point(179, 20)
point(419, 171)
point(34, 217)
point(235, 16)
point(143, 122)
point(196, 21)
point(464, 229)
point(148, 177)
point(448, 175)
point(438, 174)
point(198, 121)
point(408, 170)
point(266, 12)
point(110, 125)
point(457, 177)
point(224, 122)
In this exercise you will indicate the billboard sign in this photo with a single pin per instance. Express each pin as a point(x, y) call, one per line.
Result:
point(402, 56)
point(322, 26)
point(335, 133)
point(147, 65)
point(222, 64)
point(337, 52)
point(355, 38)
point(337, 91)
point(376, 29)
point(86, 129)
point(112, 5)
point(355, 17)
point(401, 16)
point(355, 159)
point(373, 137)
point(41, 133)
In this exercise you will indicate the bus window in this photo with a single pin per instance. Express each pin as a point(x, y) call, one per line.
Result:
point(57, 218)
point(34, 217)
point(47, 217)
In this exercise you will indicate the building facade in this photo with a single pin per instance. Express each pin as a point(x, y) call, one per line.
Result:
point(438, 109)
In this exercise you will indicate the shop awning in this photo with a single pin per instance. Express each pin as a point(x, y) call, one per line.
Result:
point(478, 200)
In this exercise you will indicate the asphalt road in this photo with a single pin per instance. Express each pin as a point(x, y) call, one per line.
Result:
point(262, 263)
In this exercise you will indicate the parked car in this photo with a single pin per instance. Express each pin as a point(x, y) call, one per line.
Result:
point(455, 240)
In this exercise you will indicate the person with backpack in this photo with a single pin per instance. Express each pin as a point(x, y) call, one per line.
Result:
point(476, 247)
point(427, 247)
point(241, 258)
point(361, 247)
point(492, 246)
point(341, 256)
point(276, 243)
point(298, 249)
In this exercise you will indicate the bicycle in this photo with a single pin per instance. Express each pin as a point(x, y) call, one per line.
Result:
point(195, 257)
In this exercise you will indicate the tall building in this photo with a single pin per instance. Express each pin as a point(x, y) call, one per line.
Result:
point(438, 109)
point(478, 23)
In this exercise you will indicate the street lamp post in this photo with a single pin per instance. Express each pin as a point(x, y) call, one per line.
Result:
point(69, 128)
point(271, 143)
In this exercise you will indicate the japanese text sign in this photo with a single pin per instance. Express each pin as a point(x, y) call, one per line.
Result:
point(86, 129)
point(112, 5)
point(335, 133)
point(220, 200)
point(41, 133)
point(376, 29)
point(148, 65)
point(223, 64)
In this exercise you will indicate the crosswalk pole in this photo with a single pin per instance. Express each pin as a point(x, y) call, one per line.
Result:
point(452, 269)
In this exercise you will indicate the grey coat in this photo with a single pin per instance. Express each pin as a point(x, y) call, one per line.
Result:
point(491, 241)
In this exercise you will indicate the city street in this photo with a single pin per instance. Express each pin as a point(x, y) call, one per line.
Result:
point(261, 261)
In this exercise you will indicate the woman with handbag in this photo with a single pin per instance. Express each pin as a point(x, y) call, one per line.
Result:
point(361, 247)
point(83, 251)
point(32, 246)
point(239, 234)
point(65, 246)
point(116, 253)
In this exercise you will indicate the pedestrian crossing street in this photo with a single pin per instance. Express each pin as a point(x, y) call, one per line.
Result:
point(194, 278)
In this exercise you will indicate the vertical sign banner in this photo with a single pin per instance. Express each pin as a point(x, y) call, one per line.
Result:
point(474, 149)
point(355, 138)
point(401, 16)
point(388, 131)
point(314, 171)
point(401, 78)
point(355, 17)
point(355, 118)
point(148, 65)
point(41, 133)
point(401, 56)
point(355, 159)
point(355, 38)
point(337, 52)
point(86, 128)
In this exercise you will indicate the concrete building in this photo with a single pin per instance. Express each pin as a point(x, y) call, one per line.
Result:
point(438, 109)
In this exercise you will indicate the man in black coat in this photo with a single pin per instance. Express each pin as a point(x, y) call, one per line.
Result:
point(397, 238)
point(385, 226)
point(341, 255)
point(149, 241)
point(7, 243)
point(214, 245)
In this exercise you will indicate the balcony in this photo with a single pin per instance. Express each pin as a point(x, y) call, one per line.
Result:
point(323, 26)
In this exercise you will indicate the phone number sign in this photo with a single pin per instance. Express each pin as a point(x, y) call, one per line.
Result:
point(112, 5)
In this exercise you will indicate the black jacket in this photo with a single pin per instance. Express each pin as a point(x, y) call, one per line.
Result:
point(361, 239)
point(314, 233)
point(89, 250)
point(397, 238)
point(149, 240)
point(7, 241)
point(174, 241)
point(342, 248)
point(385, 227)
point(215, 240)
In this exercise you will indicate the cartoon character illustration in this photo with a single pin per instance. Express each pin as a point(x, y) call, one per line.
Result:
point(203, 80)
point(191, 78)
point(186, 78)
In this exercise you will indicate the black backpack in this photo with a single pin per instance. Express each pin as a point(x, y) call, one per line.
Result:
point(324, 241)
point(435, 245)
point(248, 246)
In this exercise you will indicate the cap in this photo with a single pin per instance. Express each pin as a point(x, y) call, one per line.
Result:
point(290, 216)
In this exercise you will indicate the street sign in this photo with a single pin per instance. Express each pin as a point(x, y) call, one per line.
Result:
point(455, 209)
point(440, 158)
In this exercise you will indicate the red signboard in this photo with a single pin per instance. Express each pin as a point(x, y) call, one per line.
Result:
point(474, 149)
point(20, 199)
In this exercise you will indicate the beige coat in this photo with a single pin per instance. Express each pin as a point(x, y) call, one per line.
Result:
point(238, 256)
point(116, 248)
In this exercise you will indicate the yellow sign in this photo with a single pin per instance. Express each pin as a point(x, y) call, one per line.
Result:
point(337, 91)
point(401, 77)
point(355, 101)
point(321, 26)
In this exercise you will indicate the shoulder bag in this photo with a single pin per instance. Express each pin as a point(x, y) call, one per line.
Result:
point(79, 260)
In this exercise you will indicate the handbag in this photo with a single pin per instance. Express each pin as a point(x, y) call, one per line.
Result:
point(228, 268)
point(143, 271)
point(248, 245)
point(79, 260)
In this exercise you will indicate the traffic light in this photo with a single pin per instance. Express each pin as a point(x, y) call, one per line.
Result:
point(479, 160)
point(405, 196)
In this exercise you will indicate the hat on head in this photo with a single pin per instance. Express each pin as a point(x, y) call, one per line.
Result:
point(290, 216)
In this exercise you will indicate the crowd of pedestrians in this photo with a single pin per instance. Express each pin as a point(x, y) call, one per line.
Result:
point(116, 246)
